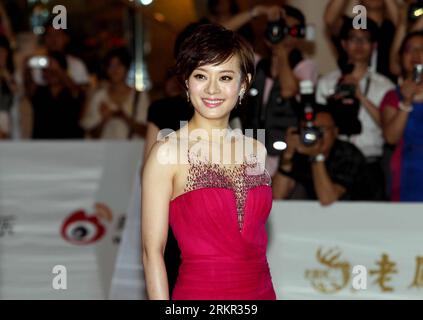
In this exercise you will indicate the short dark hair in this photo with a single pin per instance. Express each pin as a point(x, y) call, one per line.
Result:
point(348, 26)
point(294, 13)
point(121, 53)
point(213, 44)
point(183, 35)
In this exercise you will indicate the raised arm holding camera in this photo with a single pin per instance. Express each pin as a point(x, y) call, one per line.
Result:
point(354, 93)
point(272, 104)
point(385, 13)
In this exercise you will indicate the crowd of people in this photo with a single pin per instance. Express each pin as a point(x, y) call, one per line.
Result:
point(366, 111)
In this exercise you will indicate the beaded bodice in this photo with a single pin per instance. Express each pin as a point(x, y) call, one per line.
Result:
point(239, 178)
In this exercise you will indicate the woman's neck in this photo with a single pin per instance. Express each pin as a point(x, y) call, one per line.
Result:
point(210, 128)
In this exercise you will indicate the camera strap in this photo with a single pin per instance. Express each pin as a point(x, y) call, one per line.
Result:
point(367, 87)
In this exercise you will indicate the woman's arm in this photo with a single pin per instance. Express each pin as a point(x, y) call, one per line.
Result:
point(288, 81)
point(333, 14)
point(240, 19)
point(393, 124)
point(156, 192)
point(150, 139)
point(392, 10)
point(371, 109)
point(393, 118)
point(400, 32)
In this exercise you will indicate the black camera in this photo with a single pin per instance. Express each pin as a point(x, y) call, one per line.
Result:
point(345, 113)
point(415, 11)
point(345, 90)
point(277, 30)
point(309, 133)
point(344, 105)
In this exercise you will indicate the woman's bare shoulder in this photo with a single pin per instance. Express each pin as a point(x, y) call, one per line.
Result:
point(169, 149)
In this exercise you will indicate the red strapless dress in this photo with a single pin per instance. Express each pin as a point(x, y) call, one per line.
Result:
point(219, 223)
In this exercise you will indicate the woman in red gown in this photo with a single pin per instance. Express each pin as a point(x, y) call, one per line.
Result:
point(209, 183)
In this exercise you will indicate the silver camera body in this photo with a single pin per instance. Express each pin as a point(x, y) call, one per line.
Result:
point(418, 73)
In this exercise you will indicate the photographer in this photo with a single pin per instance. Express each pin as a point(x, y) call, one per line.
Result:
point(385, 13)
point(271, 102)
point(354, 95)
point(402, 116)
point(329, 170)
point(55, 107)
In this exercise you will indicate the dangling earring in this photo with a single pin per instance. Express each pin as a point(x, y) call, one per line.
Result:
point(241, 96)
point(188, 99)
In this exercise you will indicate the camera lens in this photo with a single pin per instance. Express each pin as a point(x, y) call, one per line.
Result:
point(275, 31)
point(310, 135)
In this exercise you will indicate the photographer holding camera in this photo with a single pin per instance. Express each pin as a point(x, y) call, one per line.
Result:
point(385, 13)
point(354, 94)
point(327, 169)
point(402, 116)
point(271, 103)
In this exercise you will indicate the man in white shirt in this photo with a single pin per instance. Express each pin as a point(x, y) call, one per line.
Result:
point(370, 88)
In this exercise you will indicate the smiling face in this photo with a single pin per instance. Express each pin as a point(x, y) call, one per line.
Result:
point(412, 54)
point(214, 89)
